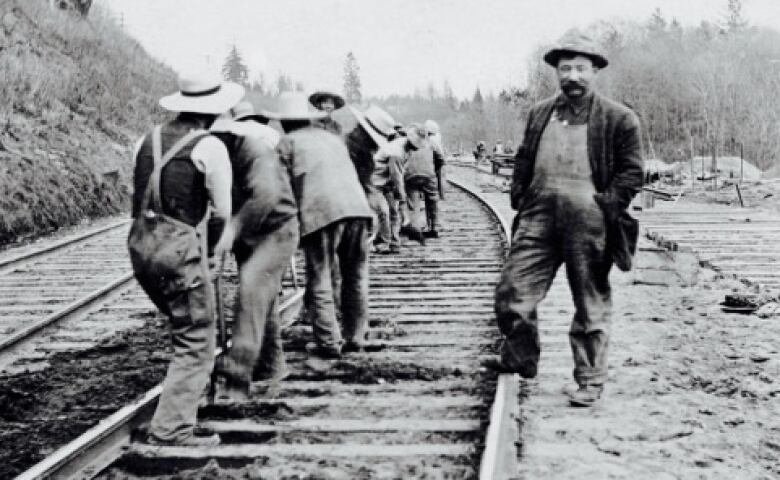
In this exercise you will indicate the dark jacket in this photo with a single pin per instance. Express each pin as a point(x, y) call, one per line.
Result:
point(614, 150)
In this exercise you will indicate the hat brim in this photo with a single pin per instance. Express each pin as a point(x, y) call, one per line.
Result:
point(552, 57)
point(296, 116)
point(228, 96)
point(254, 116)
point(375, 136)
point(417, 142)
point(317, 97)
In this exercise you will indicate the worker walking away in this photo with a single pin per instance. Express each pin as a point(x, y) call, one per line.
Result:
point(179, 169)
point(372, 131)
point(388, 177)
point(335, 224)
point(575, 173)
point(263, 235)
point(421, 188)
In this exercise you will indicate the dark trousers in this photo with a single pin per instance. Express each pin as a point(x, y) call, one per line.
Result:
point(345, 243)
point(257, 340)
point(421, 189)
point(551, 232)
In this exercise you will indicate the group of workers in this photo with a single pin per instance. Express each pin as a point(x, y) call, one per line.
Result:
point(218, 179)
point(340, 196)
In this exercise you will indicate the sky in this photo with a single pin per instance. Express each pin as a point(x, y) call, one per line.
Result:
point(400, 45)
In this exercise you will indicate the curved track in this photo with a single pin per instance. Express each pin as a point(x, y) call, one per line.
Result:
point(415, 401)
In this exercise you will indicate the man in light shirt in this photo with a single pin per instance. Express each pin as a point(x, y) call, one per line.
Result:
point(189, 169)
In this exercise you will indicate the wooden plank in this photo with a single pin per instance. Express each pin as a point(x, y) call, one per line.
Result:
point(377, 425)
point(350, 450)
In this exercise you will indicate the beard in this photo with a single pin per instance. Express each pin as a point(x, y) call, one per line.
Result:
point(573, 89)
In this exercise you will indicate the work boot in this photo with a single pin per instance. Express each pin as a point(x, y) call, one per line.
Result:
point(329, 352)
point(191, 441)
point(394, 249)
point(585, 395)
point(416, 235)
point(431, 234)
point(497, 364)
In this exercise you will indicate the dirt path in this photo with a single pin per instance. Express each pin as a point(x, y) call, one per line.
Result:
point(693, 392)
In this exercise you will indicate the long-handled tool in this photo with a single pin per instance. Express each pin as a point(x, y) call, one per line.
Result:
point(221, 328)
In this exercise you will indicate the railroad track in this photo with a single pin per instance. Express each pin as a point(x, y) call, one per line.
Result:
point(416, 401)
point(48, 286)
point(735, 241)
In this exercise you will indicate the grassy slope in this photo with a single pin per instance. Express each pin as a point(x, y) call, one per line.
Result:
point(74, 95)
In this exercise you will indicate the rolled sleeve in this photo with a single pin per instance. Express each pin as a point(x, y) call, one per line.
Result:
point(211, 157)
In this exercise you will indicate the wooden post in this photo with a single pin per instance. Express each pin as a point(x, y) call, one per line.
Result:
point(739, 195)
point(693, 174)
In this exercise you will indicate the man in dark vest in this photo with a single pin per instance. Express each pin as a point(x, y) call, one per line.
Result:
point(575, 173)
point(263, 235)
point(197, 174)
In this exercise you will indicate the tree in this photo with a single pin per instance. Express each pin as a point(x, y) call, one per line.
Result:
point(477, 101)
point(283, 83)
point(352, 79)
point(234, 69)
point(734, 20)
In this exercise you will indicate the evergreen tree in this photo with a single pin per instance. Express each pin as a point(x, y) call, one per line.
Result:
point(352, 80)
point(234, 69)
point(734, 20)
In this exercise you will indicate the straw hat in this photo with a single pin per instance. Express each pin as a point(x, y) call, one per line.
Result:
point(295, 106)
point(377, 123)
point(245, 110)
point(203, 92)
point(576, 43)
point(320, 95)
point(417, 135)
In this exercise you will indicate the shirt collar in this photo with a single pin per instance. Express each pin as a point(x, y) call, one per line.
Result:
point(562, 101)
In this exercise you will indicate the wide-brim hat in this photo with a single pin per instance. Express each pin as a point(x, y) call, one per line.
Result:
point(203, 93)
point(377, 123)
point(417, 135)
point(245, 110)
point(295, 106)
point(576, 44)
point(320, 95)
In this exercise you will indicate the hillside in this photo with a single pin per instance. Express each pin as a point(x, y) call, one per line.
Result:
point(74, 94)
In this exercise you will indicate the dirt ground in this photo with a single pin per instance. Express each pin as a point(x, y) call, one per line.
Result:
point(693, 392)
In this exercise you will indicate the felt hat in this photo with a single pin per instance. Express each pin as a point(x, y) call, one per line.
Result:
point(417, 135)
point(579, 44)
point(432, 127)
point(203, 92)
point(295, 106)
point(320, 95)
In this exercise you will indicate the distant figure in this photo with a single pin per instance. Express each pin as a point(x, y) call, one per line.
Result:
point(335, 224)
point(421, 186)
point(499, 147)
point(388, 177)
point(575, 174)
point(180, 168)
point(434, 137)
point(327, 101)
point(480, 151)
point(373, 130)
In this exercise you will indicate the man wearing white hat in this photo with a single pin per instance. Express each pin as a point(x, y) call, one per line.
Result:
point(179, 169)
point(335, 223)
point(372, 131)
point(263, 235)
point(327, 101)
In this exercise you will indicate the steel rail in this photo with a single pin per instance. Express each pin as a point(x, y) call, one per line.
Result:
point(99, 446)
point(16, 260)
point(499, 457)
